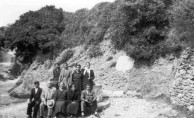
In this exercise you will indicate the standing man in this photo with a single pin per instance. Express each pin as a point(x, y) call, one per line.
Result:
point(56, 74)
point(88, 76)
point(35, 100)
point(47, 101)
point(66, 76)
point(77, 77)
point(88, 99)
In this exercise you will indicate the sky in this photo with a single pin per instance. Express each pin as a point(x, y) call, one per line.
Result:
point(10, 10)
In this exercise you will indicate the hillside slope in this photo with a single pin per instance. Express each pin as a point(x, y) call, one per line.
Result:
point(154, 80)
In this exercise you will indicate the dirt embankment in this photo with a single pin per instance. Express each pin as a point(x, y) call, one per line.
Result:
point(152, 81)
point(148, 82)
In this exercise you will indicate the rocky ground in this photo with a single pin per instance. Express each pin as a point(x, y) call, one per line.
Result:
point(121, 106)
point(149, 82)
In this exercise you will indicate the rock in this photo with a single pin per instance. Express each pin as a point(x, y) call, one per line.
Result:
point(180, 95)
point(182, 71)
point(187, 76)
point(133, 94)
point(112, 93)
point(124, 63)
point(191, 108)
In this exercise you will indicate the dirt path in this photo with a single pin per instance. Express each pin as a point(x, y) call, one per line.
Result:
point(121, 107)
point(5, 99)
point(137, 108)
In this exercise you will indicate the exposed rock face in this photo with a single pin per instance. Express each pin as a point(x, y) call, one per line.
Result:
point(25, 83)
point(182, 91)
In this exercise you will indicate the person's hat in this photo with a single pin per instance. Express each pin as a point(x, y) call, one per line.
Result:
point(50, 103)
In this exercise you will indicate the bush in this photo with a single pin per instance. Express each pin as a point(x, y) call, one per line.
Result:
point(16, 70)
point(182, 20)
point(141, 28)
point(113, 64)
point(95, 51)
point(66, 56)
point(109, 58)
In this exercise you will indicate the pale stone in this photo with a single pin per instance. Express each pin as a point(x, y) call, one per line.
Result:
point(124, 63)
point(180, 95)
point(182, 71)
point(187, 76)
point(191, 108)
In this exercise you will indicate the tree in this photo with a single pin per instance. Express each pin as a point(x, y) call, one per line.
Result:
point(141, 28)
point(35, 31)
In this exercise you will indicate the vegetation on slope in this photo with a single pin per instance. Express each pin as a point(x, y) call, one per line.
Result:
point(144, 29)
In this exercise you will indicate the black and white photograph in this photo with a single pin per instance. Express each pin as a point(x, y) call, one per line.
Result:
point(97, 59)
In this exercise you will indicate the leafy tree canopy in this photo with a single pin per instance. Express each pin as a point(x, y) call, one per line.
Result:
point(36, 31)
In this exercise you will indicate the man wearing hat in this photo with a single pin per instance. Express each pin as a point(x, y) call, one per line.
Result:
point(34, 100)
point(88, 98)
point(47, 100)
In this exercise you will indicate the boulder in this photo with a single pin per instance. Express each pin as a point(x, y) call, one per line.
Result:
point(124, 63)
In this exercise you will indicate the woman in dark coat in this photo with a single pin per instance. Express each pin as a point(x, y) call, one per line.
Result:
point(61, 98)
point(56, 74)
point(77, 78)
point(73, 107)
point(88, 76)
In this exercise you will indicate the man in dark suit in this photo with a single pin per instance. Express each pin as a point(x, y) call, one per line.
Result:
point(35, 100)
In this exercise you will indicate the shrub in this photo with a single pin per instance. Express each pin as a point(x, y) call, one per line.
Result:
point(182, 20)
point(95, 51)
point(66, 56)
point(141, 28)
point(113, 64)
point(109, 58)
point(16, 70)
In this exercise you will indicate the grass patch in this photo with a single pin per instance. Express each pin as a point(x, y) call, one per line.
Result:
point(94, 52)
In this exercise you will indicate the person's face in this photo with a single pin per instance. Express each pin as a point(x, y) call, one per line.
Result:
point(73, 88)
point(88, 88)
point(78, 68)
point(88, 65)
point(49, 84)
point(57, 66)
point(61, 86)
point(36, 85)
point(65, 66)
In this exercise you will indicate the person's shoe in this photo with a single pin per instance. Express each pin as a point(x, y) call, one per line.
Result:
point(83, 114)
point(41, 117)
point(29, 116)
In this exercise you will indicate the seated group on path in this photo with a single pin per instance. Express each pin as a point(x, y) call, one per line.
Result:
point(66, 94)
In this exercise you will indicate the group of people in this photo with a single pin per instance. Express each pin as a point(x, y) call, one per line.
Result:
point(67, 93)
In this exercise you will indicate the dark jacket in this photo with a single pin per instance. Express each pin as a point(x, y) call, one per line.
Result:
point(74, 95)
point(56, 74)
point(36, 96)
point(87, 81)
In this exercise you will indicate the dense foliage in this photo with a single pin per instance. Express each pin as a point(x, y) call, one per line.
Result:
point(36, 31)
point(182, 20)
point(144, 29)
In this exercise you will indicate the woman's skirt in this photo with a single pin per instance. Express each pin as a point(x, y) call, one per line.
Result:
point(72, 108)
point(59, 107)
